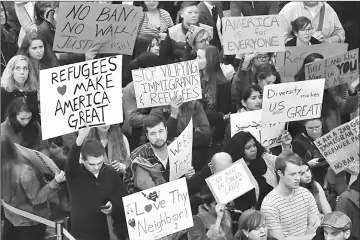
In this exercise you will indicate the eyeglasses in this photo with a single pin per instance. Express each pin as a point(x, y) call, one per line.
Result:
point(307, 30)
point(262, 57)
point(205, 40)
point(317, 128)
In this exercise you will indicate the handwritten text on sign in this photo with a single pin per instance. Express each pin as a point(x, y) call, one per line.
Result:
point(111, 28)
point(155, 86)
point(232, 182)
point(340, 147)
point(336, 70)
point(269, 135)
point(180, 153)
point(158, 211)
point(290, 61)
point(255, 33)
point(293, 101)
point(82, 93)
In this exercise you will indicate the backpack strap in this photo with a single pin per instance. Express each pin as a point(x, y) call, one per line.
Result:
point(321, 19)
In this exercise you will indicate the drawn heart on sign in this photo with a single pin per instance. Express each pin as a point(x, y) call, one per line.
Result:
point(62, 90)
point(148, 207)
point(132, 222)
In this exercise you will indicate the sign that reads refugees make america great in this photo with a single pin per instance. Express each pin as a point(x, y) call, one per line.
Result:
point(159, 211)
point(155, 86)
point(80, 94)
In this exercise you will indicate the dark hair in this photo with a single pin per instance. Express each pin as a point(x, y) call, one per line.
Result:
point(212, 67)
point(29, 133)
point(143, 5)
point(283, 159)
point(299, 24)
point(186, 4)
point(266, 70)
point(143, 44)
point(92, 147)
point(311, 186)
point(152, 120)
point(248, 91)
point(251, 223)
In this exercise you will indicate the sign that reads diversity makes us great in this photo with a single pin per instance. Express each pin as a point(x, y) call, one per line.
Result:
point(255, 33)
point(293, 101)
point(158, 211)
point(85, 93)
point(110, 28)
point(232, 182)
point(340, 147)
point(155, 86)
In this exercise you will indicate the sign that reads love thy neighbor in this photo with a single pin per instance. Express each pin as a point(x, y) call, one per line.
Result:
point(158, 211)
point(85, 93)
point(110, 28)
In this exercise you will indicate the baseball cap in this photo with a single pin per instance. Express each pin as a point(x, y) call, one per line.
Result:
point(336, 220)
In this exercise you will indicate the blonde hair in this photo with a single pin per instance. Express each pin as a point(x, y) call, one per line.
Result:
point(8, 81)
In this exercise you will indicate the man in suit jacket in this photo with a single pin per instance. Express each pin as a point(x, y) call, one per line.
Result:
point(206, 16)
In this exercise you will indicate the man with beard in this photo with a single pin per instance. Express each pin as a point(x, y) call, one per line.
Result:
point(290, 210)
point(150, 162)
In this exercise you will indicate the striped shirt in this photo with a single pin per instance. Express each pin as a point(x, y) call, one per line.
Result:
point(165, 22)
point(289, 214)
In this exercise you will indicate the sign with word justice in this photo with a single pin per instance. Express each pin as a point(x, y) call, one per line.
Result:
point(110, 28)
point(155, 86)
point(340, 147)
point(254, 33)
point(290, 62)
point(180, 153)
point(232, 182)
point(269, 135)
point(336, 70)
point(293, 101)
point(85, 93)
point(158, 211)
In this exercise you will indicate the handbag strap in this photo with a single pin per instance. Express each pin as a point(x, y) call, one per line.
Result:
point(321, 20)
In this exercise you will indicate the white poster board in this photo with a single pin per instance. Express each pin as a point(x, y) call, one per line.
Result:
point(340, 147)
point(232, 182)
point(293, 101)
point(155, 86)
point(158, 211)
point(82, 93)
point(180, 153)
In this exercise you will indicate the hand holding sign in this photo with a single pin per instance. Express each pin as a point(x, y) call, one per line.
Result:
point(175, 104)
point(313, 162)
point(286, 139)
point(353, 85)
point(220, 210)
point(83, 133)
point(190, 172)
point(91, 53)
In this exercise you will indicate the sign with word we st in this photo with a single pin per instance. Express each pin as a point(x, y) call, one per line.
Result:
point(83, 93)
point(269, 135)
point(180, 153)
point(232, 182)
point(110, 28)
point(290, 61)
point(336, 70)
point(293, 101)
point(158, 211)
point(340, 147)
point(254, 33)
point(155, 86)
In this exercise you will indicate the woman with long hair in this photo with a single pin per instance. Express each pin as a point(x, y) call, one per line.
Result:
point(23, 187)
point(303, 30)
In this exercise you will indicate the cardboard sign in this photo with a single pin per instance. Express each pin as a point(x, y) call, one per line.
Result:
point(111, 28)
point(293, 101)
point(290, 61)
point(254, 33)
point(155, 86)
point(82, 93)
point(158, 211)
point(337, 70)
point(269, 135)
point(340, 147)
point(232, 182)
point(180, 153)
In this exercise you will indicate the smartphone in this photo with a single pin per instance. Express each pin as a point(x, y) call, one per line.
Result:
point(104, 207)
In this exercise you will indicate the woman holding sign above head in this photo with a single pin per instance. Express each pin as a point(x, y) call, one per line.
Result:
point(302, 30)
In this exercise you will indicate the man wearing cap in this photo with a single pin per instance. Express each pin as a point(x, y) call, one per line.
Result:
point(334, 226)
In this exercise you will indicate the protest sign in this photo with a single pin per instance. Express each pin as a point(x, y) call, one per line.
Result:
point(111, 28)
point(293, 101)
point(83, 93)
point(336, 70)
point(254, 33)
point(340, 147)
point(180, 153)
point(269, 135)
point(158, 211)
point(155, 86)
point(290, 61)
point(232, 182)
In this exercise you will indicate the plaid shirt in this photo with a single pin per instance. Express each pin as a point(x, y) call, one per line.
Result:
point(145, 151)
